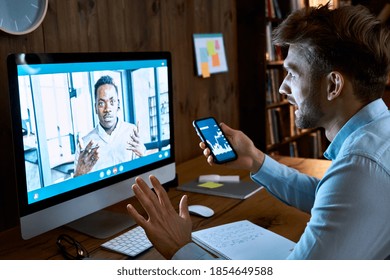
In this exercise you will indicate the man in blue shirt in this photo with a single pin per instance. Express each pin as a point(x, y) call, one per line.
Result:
point(337, 66)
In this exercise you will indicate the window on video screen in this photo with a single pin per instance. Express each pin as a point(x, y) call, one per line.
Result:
point(73, 135)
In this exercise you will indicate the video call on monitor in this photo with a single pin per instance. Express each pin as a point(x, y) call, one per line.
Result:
point(57, 109)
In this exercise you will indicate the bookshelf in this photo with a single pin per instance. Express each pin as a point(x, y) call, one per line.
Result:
point(283, 137)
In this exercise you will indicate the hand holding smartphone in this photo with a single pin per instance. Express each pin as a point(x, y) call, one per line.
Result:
point(212, 135)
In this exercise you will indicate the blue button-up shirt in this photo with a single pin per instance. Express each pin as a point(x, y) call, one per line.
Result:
point(350, 205)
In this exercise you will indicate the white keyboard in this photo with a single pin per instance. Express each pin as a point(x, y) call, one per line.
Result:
point(130, 243)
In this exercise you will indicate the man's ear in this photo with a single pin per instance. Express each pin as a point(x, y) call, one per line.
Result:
point(335, 82)
point(119, 104)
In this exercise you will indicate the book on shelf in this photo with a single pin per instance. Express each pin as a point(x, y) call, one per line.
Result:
point(316, 143)
point(279, 124)
point(273, 53)
point(384, 14)
point(277, 10)
point(308, 146)
point(239, 190)
point(297, 4)
point(293, 149)
point(271, 139)
point(270, 51)
point(272, 9)
point(273, 81)
point(293, 126)
point(269, 10)
point(243, 240)
point(274, 125)
point(319, 139)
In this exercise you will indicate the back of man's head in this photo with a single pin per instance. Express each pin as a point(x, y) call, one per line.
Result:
point(350, 40)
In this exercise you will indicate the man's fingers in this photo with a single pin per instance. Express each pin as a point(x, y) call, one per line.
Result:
point(183, 208)
point(206, 152)
point(147, 198)
point(80, 143)
point(134, 140)
point(210, 160)
point(89, 146)
point(91, 156)
point(161, 193)
point(90, 151)
point(137, 130)
point(138, 218)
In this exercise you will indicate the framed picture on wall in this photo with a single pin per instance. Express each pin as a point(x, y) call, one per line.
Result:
point(209, 54)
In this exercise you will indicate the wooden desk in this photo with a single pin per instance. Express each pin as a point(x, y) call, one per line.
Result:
point(260, 208)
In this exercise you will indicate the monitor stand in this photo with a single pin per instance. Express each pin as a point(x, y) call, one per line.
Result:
point(102, 224)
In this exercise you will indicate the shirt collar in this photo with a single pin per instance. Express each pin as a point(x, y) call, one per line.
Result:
point(366, 115)
point(103, 134)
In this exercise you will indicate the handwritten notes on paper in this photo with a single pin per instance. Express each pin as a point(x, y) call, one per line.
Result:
point(231, 235)
point(244, 240)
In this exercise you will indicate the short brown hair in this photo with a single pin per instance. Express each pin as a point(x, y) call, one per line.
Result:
point(349, 39)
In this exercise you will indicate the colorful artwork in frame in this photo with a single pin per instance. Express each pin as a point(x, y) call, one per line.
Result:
point(210, 54)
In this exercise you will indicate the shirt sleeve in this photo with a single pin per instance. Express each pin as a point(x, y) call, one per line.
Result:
point(287, 184)
point(191, 251)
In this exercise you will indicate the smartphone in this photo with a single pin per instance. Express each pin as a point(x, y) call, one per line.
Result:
point(212, 135)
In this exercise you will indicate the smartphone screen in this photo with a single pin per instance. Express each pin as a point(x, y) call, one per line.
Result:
point(211, 134)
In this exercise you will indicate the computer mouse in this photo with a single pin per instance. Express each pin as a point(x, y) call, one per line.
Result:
point(201, 210)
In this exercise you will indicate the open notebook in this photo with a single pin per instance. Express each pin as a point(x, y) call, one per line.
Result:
point(243, 240)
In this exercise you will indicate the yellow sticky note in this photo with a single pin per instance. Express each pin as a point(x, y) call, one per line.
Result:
point(210, 185)
point(205, 69)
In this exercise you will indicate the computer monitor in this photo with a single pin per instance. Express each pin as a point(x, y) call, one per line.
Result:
point(54, 111)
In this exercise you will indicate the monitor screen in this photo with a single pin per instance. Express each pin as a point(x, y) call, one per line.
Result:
point(84, 126)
